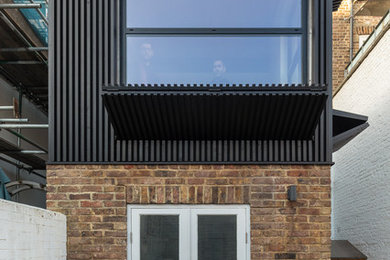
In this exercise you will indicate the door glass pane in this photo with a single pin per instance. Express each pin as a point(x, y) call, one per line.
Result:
point(217, 237)
point(215, 13)
point(159, 237)
point(214, 60)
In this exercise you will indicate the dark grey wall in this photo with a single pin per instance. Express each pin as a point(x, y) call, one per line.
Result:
point(85, 43)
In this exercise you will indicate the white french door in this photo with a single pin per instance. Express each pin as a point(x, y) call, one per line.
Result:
point(179, 232)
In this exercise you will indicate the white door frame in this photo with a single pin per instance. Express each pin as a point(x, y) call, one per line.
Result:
point(188, 218)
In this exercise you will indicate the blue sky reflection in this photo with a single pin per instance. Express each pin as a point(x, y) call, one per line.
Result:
point(213, 13)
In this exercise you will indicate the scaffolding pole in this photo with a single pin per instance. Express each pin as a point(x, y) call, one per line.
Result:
point(20, 6)
point(20, 126)
point(23, 152)
point(23, 49)
point(20, 62)
point(6, 107)
point(13, 120)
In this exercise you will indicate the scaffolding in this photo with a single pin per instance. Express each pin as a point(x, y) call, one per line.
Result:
point(35, 14)
point(14, 151)
point(24, 50)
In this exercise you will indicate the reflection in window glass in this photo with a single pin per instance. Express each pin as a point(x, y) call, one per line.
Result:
point(215, 13)
point(159, 237)
point(214, 60)
point(217, 237)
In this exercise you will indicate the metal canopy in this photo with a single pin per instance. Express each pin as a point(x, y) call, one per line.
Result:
point(15, 152)
point(346, 126)
point(336, 4)
point(343, 249)
point(259, 112)
point(374, 8)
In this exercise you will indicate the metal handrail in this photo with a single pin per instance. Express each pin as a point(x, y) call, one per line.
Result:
point(27, 140)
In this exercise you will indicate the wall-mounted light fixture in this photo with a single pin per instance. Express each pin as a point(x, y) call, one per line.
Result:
point(292, 193)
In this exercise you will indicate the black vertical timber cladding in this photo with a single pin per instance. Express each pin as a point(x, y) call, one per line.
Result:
point(85, 52)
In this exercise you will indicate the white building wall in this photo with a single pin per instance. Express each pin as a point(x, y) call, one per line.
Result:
point(31, 233)
point(361, 174)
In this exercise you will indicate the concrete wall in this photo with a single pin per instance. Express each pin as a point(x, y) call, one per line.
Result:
point(361, 175)
point(31, 197)
point(31, 233)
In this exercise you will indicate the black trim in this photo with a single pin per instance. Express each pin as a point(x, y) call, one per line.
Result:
point(206, 31)
point(190, 163)
point(216, 88)
point(349, 115)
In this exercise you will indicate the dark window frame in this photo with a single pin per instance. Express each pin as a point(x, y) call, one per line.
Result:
point(301, 31)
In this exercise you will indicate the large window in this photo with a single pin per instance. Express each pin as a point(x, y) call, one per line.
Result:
point(215, 42)
point(188, 232)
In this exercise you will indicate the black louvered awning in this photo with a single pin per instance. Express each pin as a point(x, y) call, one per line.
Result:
point(346, 126)
point(336, 4)
point(214, 112)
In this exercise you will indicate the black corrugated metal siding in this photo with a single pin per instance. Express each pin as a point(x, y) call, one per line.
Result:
point(85, 43)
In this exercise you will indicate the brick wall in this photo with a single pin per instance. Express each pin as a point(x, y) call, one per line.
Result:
point(363, 25)
point(94, 199)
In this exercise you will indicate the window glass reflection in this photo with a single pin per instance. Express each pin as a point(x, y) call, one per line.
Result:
point(159, 237)
point(217, 237)
point(214, 60)
point(215, 13)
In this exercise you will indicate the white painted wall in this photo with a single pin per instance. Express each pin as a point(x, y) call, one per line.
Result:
point(31, 233)
point(7, 92)
point(361, 174)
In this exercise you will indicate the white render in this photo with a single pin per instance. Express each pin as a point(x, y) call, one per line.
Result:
point(361, 174)
point(28, 232)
